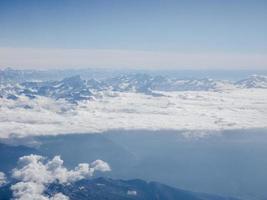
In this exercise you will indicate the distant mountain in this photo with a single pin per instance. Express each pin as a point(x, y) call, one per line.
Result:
point(74, 89)
point(71, 89)
point(145, 83)
point(254, 81)
point(132, 83)
point(10, 75)
point(186, 85)
point(110, 189)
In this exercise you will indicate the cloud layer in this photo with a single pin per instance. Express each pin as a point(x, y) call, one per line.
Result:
point(192, 110)
point(35, 173)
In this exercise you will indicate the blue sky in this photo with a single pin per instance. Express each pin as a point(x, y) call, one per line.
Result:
point(229, 27)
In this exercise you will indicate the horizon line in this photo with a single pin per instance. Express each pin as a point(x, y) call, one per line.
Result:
point(57, 58)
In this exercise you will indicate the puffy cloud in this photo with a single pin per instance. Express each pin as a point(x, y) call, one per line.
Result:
point(185, 110)
point(100, 165)
point(59, 196)
point(2, 179)
point(131, 192)
point(28, 190)
point(35, 173)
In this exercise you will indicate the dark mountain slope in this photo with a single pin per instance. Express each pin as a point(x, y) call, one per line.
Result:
point(110, 189)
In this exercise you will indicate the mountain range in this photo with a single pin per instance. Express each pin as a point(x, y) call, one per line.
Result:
point(111, 189)
point(74, 89)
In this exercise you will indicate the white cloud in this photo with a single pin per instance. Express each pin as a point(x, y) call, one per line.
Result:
point(59, 196)
point(69, 58)
point(99, 165)
point(189, 111)
point(131, 192)
point(35, 173)
point(28, 190)
point(2, 179)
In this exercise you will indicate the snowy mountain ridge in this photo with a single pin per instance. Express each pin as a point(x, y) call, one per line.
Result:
point(74, 89)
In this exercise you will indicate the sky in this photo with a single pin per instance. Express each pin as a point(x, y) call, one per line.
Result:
point(179, 34)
